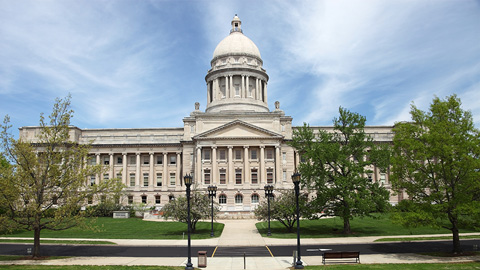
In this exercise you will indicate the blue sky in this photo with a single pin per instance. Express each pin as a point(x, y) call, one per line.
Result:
point(133, 64)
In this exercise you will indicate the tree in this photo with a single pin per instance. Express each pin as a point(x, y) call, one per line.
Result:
point(46, 183)
point(200, 208)
point(436, 161)
point(284, 209)
point(336, 167)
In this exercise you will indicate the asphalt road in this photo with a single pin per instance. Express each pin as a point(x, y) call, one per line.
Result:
point(168, 251)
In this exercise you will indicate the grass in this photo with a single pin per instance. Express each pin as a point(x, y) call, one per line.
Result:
point(71, 242)
point(408, 239)
point(413, 266)
point(88, 267)
point(333, 227)
point(132, 228)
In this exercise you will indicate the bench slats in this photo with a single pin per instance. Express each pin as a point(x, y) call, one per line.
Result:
point(341, 255)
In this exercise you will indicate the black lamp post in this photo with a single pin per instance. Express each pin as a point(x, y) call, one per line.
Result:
point(212, 192)
point(268, 194)
point(296, 181)
point(188, 179)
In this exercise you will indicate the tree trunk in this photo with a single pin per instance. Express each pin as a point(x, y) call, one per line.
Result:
point(36, 242)
point(456, 238)
point(346, 226)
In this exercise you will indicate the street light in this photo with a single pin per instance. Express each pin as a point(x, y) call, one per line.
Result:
point(296, 181)
point(212, 192)
point(268, 194)
point(188, 179)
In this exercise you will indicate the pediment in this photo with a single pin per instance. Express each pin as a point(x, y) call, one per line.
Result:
point(238, 130)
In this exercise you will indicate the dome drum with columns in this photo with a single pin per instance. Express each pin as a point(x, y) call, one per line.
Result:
point(237, 143)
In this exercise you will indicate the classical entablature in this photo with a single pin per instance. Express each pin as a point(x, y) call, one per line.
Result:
point(238, 130)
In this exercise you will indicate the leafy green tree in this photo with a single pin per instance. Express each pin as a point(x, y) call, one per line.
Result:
point(46, 183)
point(336, 167)
point(436, 160)
point(284, 209)
point(200, 208)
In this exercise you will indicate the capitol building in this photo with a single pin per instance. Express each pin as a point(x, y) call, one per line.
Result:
point(236, 144)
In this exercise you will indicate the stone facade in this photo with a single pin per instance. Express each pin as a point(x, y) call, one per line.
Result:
point(237, 144)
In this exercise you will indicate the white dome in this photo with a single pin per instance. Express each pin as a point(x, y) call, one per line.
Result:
point(236, 43)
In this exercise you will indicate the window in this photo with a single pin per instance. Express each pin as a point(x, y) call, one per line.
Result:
point(254, 176)
point(132, 179)
point(92, 180)
point(106, 176)
point(106, 161)
point(144, 199)
point(253, 154)
point(172, 179)
point(284, 156)
point(206, 154)
point(145, 179)
point(160, 159)
point(206, 176)
point(222, 155)
point(238, 199)
point(222, 199)
point(132, 160)
point(119, 160)
point(238, 154)
point(171, 197)
point(269, 153)
point(130, 199)
point(238, 176)
point(237, 90)
point(103, 199)
point(157, 199)
point(370, 177)
point(383, 178)
point(173, 160)
point(223, 176)
point(254, 198)
point(284, 176)
point(90, 199)
point(146, 160)
point(269, 176)
point(283, 127)
point(159, 179)
point(119, 176)
point(92, 161)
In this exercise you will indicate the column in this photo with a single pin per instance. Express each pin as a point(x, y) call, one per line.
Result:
point(178, 175)
point(244, 93)
point(165, 176)
point(208, 92)
point(257, 89)
point(213, 173)
point(124, 171)
point(137, 173)
point(232, 91)
point(151, 176)
point(278, 168)
point(261, 173)
point(265, 91)
point(97, 161)
point(230, 174)
point(216, 89)
point(247, 86)
point(227, 91)
point(198, 169)
point(246, 164)
point(111, 167)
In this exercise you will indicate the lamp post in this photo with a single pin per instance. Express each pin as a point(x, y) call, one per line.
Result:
point(268, 194)
point(188, 179)
point(296, 181)
point(212, 192)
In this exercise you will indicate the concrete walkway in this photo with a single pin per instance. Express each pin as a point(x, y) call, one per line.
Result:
point(242, 233)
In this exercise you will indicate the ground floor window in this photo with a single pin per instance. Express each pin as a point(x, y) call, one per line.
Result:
point(206, 176)
point(144, 199)
point(157, 199)
point(269, 176)
point(223, 176)
point(254, 198)
point(222, 199)
point(238, 199)
point(130, 199)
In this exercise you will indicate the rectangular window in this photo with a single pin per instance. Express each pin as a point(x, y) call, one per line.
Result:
point(144, 199)
point(157, 199)
point(222, 155)
point(132, 179)
point(284, 176)
point(238, 154)
point(237, 90)
point(130, 199)
point(269, 154)
point(206, 154)
point(159, 179)
point(269, 176)
point(160, 159)
point(146, 160)
point(119, 160)
point(284, 156)
point(254, 176)
point(223, 176)
point(119, 176)
point(206, 176)
point(92, 180)
point(92, 161)
point(172, 179)
point(106, 176)
point(383, 178)
point(145, 179)
point(106, 161)
point(132, 160)
point(173, 160)
point(253, 154)
point(238, 176)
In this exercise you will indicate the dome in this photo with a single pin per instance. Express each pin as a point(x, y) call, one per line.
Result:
point(236, 43)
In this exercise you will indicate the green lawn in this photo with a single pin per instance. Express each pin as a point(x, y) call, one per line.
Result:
point(132, 228)
point(333, 227)
point(73, 242)
point(407, 239)
point(413, 266)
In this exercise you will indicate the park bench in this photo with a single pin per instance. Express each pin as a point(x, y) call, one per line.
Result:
point(339, 255)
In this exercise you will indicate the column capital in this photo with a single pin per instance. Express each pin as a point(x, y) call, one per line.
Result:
point(246, 146)
point(97, 154)
point(124, 153)
point(214, 147)
point(278, 146)
point(198, 147)
point(151, 153)
point(230, 147)
point(165, 153)
point(111, 154)
point(262, 146)
point(138, 153)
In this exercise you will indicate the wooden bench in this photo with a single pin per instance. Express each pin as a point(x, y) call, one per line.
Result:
point(339, 255)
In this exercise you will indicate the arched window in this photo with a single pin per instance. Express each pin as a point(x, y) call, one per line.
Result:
point(255, 198)
point(222, 199)
point(238, 199)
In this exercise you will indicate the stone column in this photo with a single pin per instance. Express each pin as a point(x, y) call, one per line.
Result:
point(213, 173)
point(257, 87)
point(247, 86)
point(208, 92)
point(244, 93)
point(111, 167)
point(216, 89)
point(178, 174)
point(246, 164)
point(151, 177)
point(124, 171)
point(265, 91)
point(230, 174)
point(165, 176)
point(97, 177)
point(278, 168)
point(232, 91)
point(137, 173)
point(261, 173)
point(227, 91)
point(198, 169)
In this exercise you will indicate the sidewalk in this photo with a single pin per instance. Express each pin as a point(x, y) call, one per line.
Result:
point(243, 233)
